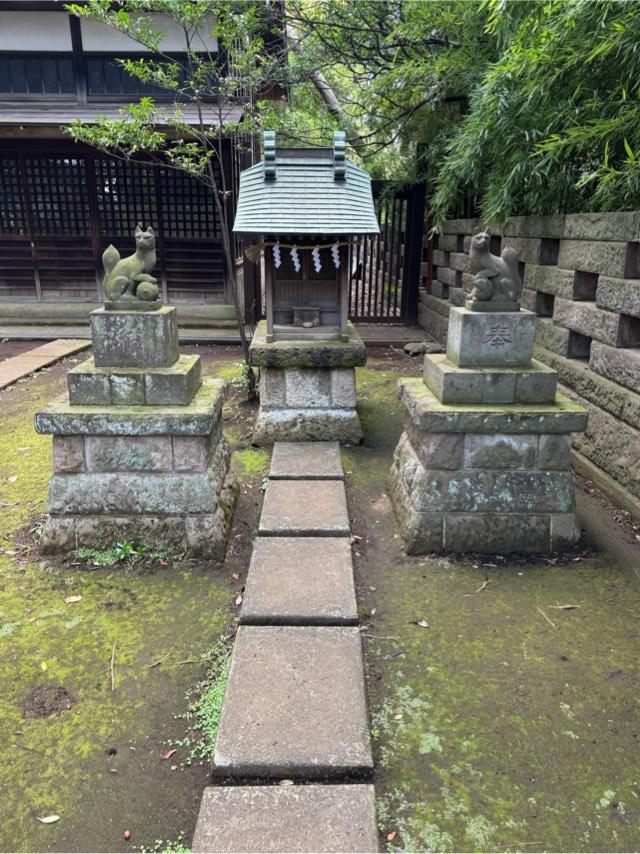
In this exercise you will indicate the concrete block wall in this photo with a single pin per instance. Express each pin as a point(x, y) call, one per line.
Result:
point(581, 275)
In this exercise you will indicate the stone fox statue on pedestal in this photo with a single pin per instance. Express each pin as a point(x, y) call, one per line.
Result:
point(496, 278)
point(128, 283)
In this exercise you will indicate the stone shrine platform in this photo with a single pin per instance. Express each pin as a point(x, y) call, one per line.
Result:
point(307, 388)
point(138, 450)
point(483, 462)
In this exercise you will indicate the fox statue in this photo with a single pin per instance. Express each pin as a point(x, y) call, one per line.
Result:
point(496, 278)
point(128, 282)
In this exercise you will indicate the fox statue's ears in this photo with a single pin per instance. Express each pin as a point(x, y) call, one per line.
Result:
point(139, 230)
point(480, 229)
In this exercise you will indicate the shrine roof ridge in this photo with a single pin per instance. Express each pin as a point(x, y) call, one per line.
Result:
point(305, 191)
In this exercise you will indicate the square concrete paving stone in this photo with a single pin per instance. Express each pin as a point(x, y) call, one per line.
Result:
point(295, 819)
point(295, 705)
point(306, 460)
point(304, 508)
point(300, 581)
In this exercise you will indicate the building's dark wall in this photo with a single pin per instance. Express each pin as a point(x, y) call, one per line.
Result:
point(62, 204)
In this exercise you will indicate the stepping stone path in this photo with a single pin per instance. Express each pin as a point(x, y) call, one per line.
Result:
point(295, 706)
point(16, 367)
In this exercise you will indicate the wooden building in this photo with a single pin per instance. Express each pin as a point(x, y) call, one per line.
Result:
point(61, 203)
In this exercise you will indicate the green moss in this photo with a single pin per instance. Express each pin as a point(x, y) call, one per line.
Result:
point(251, 461)
point(473, 749)
point(492, 729)
point(167, 614)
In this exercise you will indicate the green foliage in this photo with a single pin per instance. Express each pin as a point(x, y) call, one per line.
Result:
point(205, 704)
point(402, 72)
point(554, 122)
point(242, 377)
point(121, 552)
point(168, 846)
point(520, 107)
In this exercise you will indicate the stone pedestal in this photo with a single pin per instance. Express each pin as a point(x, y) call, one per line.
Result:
point(483, 462)
point(307, 389)
point(138, 450)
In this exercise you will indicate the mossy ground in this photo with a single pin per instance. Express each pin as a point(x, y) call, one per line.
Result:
point(65, 764)
point(493, 729)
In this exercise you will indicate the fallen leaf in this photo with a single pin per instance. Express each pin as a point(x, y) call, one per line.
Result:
point(239, 599)
point(71, 599)
point(235, 575)
point(13, 478)
point(285, 783)
point(391, 836)
point(26, 448)
point(422, 623)
point(48, 819)
point(398, 717)
point(169, 753)
point(373, 612)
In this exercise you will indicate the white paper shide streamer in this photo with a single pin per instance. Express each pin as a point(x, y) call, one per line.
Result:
point(295, 258)
point(317, 263)
point(277, 257)
point(335, 254)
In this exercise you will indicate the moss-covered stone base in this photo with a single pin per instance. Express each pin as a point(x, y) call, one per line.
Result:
point(307, 425)
point(203, 534)
point(459, 486)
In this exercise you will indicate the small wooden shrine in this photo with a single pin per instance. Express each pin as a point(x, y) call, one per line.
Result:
point(308, 206)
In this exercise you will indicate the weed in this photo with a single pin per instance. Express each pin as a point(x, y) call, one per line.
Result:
point(205, 703)
point(242, 380)
point(168, 846)
point(124, 550)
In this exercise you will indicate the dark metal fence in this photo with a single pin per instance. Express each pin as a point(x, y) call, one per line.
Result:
point(385, 270)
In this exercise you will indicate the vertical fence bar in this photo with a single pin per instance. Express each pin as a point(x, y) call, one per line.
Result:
point(414, 233)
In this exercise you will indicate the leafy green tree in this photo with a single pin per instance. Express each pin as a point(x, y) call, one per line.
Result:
point(517, 106)
point(401, 71)
point(212, 84)
point(554, 122)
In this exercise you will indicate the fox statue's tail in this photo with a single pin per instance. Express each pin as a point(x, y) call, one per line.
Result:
point(110, 258)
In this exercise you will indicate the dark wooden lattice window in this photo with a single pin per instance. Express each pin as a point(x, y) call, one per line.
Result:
point(13, 218)
point(59, 199)
point(126, 196)
point(188, 206)
point(328, 271)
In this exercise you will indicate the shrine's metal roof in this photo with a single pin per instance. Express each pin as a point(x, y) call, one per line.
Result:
point(305, 191)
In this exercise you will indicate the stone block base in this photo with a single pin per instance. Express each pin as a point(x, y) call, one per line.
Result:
point(156, 475)
point(501, 339)
point(484, 478)
point(451, 384)
point(140, 338)
point(531, 513)
point(202, 534)
point(307, 404)
point(307, 425)
point(173, 386)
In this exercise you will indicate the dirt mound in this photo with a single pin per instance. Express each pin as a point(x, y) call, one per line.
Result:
point(47, 700)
